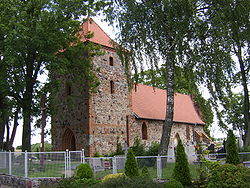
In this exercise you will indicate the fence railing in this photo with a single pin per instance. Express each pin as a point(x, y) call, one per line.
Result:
point(64, 163)
point(40, 164)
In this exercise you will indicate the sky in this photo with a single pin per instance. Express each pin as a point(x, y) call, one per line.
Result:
point(36, 137)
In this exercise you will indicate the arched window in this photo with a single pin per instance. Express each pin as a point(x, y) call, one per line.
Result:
point(112, 89)
point(111, 61)
point(144, 131)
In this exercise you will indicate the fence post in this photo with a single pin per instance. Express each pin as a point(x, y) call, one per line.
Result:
point(25, 164)
point(66, 163)
point(82, 156)
point(10, 170)
point(159, 169)
point(114, 165)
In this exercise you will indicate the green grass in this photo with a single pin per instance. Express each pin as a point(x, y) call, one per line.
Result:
point(56, 169)
point(49, 170)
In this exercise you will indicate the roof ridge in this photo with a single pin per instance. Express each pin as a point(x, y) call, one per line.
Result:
point(164, 89)
point(101, 29)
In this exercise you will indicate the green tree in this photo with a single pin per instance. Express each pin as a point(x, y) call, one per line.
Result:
point(131, 165)
point(231, 148)
point(153, 30)
point(138, 148)
point(36, 36)
point(223, 46)
point(186, 83)
point(181, 170)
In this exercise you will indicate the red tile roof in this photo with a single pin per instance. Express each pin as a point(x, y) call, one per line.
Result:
point(150, 103)
point(100, 37)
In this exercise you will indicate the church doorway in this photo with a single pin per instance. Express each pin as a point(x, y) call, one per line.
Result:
point(69, 141)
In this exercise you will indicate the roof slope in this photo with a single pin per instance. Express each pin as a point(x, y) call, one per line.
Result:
point(100, 37)
point(150, 103)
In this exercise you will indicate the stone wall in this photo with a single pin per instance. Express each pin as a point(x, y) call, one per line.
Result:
point(109, 109)
point(20, 182)
point(71, 111)
point(154, 132)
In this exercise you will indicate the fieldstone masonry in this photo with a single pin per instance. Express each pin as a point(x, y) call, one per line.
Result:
point(10, 181)
point(95, 122)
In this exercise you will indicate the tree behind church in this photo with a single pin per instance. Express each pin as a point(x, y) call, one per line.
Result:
point(157, 30)
point(33, 36)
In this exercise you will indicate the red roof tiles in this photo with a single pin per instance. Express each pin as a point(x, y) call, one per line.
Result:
point(150, 103)
point(100, 37)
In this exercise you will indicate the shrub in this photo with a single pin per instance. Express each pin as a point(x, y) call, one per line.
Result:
point(153, 150)
point(125, 182)
point(119, 150)
point(229, 175)
point(145, 172)
point(97, 154)
point(112, 176)
point(231, 148)
point(138, 148)
point(84, 171)
point(131, 166)
point(76, 183)
point(181, 170)
point(173, 184)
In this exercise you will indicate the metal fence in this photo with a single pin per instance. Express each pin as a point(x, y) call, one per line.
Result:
point(160, 167)
point(63, 164)
point(40, 164)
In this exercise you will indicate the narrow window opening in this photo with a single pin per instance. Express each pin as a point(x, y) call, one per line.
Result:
point(188, 132)
point(127, 130)
point(112, 89)
point(144, 131)
point(111, 61)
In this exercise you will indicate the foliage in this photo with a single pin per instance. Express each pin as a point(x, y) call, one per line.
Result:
point(205, 168)
point(173, 184)
point(232, 150)
point(97, 154)
point(111, 176)
point(229, 175)
point(186, 83)
point(138, 148)
point(223, 51)
point(36, 147)
point(76, 183)
point(131, 166)
point(119, 150)
point(84, 171)
point(145, 172)
point(153, 150)
point(124, 182)
point(40, 39)
point(181, 171)
point(152, 31)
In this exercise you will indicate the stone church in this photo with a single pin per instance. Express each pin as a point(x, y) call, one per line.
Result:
point(95, 123)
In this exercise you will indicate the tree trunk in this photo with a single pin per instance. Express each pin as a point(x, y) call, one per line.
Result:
point(13, 134)
point(167, 126)
point(2, 123)
point(26, 138)
point(246, 106)
point(2, 129)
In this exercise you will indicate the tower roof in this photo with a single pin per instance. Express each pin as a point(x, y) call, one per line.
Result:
point(100, 37)
point(150, 103)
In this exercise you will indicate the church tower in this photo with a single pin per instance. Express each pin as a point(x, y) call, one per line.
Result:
point(94, 123)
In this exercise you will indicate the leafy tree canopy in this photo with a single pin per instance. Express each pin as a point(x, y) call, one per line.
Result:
point(36, 36)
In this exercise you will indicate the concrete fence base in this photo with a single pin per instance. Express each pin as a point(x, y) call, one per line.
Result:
point(10, 181)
